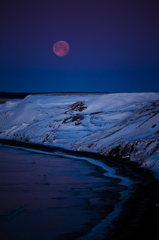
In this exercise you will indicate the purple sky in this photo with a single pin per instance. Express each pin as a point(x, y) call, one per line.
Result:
point(114, 45)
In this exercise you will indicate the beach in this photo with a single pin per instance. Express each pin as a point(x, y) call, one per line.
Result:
point(139, 213)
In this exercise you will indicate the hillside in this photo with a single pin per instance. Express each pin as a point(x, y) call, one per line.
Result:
point(122, 125)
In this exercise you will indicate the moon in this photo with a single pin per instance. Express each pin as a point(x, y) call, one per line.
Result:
point(61, 48)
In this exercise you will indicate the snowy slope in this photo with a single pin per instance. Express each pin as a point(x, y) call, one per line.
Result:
point(123, 124)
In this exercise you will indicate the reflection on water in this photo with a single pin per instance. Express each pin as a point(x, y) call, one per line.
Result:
point(49, 197)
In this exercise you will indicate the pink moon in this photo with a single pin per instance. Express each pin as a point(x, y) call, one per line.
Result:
point(61, 48)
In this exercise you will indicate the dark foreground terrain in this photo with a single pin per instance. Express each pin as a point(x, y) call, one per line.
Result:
point(140, 215)
point(45, 197)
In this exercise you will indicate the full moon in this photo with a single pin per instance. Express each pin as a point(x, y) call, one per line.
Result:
point(61, 48)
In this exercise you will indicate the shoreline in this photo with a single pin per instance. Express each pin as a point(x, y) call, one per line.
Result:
point(59, 188)
point(102, 227)
point(139, 214)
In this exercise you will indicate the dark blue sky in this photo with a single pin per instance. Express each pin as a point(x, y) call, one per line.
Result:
point(114, 45)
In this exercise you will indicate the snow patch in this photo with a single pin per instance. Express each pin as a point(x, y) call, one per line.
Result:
point(118, 125)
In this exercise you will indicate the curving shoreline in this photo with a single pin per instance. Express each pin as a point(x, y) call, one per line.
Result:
point(140, 212)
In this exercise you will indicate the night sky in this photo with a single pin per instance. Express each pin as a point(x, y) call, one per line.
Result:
point(114, 46)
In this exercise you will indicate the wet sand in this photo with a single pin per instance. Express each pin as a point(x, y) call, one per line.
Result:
point(49, 197)
point(140, 213)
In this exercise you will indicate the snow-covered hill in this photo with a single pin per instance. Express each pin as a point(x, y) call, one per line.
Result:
point(123, 124)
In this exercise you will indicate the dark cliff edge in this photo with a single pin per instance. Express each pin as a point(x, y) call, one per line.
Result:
point(139, 217)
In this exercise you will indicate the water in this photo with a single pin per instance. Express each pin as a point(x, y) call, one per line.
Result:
point(53, 197)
